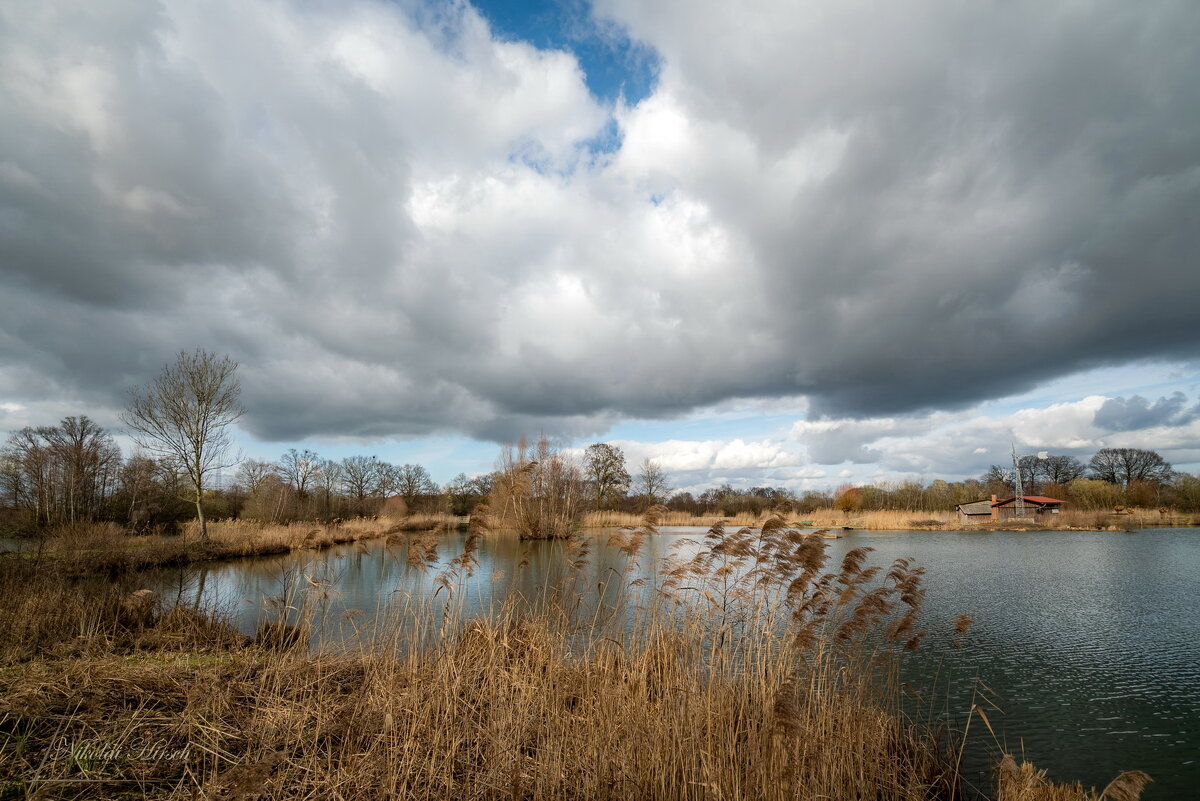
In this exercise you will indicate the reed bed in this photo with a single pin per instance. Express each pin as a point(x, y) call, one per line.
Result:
point(613, 519)
point(916, 520)
point(751, 668)
point(436, 521)
point(1133, 518)
point(105, 548)
point(1024, 782)
point(883, 519)
point(821, 518)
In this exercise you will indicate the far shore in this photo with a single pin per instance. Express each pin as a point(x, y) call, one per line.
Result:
point(917, 520)
point(104, 548)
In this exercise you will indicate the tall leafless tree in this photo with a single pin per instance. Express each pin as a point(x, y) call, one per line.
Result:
point(1126, 465)
point(652, 482)
point(185, 414)
point(362, 477)
point(412, 481)
point(1062, 469)
point(252, 473)
point(300, 469)
point(329, 478)
point(61, 473)
point(88, 461)
point(539, 492)
point(605, 469)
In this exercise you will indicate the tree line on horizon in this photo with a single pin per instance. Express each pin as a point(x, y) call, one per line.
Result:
point(74, 471)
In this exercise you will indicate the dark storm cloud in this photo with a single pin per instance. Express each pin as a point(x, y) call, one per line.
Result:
point(398, 226)
point(1011, 200)
point(1135, 413)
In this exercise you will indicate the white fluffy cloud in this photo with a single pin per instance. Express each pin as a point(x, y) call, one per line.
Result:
point(710, 455)
point(953, 445)
point(400, 223)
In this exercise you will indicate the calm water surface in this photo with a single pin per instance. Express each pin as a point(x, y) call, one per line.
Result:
point(1086, 645)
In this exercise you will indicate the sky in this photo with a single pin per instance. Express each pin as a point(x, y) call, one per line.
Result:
point(787, 243)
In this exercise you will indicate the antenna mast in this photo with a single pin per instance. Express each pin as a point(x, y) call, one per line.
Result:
point(1017, 482)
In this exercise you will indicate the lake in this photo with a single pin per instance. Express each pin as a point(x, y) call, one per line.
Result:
point(1085, 653)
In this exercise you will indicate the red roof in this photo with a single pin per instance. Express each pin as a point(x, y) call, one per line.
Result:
point(1042, 499)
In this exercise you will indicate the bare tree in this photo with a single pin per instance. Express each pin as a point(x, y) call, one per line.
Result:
point(1062, 469)
point(413, 481)
point(998, 480)
point(185, 414)
point(329, 478)
point(151, 492)
point(252, 473)
point(362, 477)
point(137, 482)
point(540, 492)
point(652, 482)
point(65, 472)
point(300, 468)
point(1126, 465)
point(29, 473)
point(466, 493)
point(605, 469)
point(1032, 469)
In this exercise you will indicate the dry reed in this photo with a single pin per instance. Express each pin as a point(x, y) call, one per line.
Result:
point(538, 491)
point(105, 549)
point(614, 519)
point(1024, 782)
point(751, 670)
point(888, 520)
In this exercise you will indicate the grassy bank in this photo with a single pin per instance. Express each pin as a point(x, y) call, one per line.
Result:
point(918, 520)
point(501, 709)
point(105, 548)
point(755, 670)
point(611, 519)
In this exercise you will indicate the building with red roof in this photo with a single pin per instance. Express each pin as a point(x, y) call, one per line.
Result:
point(987, 510)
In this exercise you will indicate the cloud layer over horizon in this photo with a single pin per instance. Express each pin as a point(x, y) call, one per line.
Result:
point(402, 224)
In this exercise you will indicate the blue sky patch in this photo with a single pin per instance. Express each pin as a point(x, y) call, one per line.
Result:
point(613, 64)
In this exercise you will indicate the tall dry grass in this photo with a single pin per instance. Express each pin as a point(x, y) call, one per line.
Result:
point(107, 549)
point(913, 519)
point(605, 518)
point(883, 519)
point(1126, 519)
point(538, 492)
point(1024, 782)
point(429, 521)
point(749, 668)
point(820, 518)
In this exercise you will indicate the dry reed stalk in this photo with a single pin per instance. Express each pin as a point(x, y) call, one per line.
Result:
point(613, 519)
point(105, 549)
point(883, 520)
point(1024, 782)
point(538, 492)
point(504, 709)
point(746, 675)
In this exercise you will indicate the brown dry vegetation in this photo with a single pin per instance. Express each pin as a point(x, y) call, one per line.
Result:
point(538, 492)
point(1025, 782)
point(613, 519)
point(747, 675)
point(105, 548)
point(433, 521)
point(918, 520)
